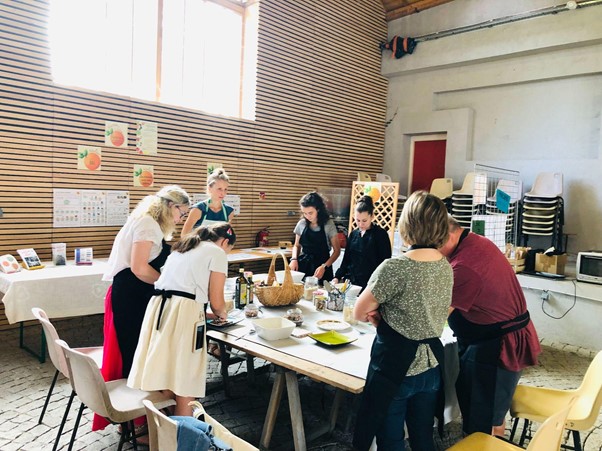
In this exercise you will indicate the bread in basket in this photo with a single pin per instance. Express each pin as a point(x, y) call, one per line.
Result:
point(285, 294)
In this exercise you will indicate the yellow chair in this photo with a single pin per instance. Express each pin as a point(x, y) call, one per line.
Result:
point(363, 177)
point(538, 403)
point(547, 438)
point(442, 188)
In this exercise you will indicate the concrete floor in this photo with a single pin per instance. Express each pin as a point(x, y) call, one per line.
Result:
point(24, 383)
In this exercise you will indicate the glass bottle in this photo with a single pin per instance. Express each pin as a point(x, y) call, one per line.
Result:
point(348, 308)
point(240, 287)
point(250, 287)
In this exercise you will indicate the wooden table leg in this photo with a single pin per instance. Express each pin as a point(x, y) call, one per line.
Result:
point(334, 410)
point(294, 404)
point(250, 369)
point(270, 416)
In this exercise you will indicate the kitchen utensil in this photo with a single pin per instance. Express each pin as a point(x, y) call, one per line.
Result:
point(328, 286)
point(332, 324)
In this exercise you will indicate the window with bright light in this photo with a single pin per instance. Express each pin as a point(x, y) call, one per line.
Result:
point(200, 54)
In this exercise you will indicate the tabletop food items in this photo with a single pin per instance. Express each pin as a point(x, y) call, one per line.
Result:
point(295, 315)
point(311, 285)
point(319, 298)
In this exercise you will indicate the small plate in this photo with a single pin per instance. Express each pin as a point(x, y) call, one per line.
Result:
point(332, 324)
point(229, 322)
point(332, 338)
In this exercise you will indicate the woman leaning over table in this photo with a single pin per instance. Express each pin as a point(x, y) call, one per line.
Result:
point(407, 298)
point(171, 354)
point(315, 235)
point(367, 246)
point(213, 209)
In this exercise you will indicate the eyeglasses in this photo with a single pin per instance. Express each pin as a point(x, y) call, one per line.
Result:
point(183, 214)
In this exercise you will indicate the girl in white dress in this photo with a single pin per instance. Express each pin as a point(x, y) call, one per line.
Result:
point(171, 353)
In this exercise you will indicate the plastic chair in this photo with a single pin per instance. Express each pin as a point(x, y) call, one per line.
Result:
point(538, 403)
point(163, 431)
point(514, 188)
point(547, 438)
point(384, 178)
point(113, 400)
point(363, 177)
point(442, 188)
point(547, 184)
point(467, 185)
point(58, 360)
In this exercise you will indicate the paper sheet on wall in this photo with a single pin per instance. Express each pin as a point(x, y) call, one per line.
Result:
point(232, 200)
point(146, 137)
point(89, 208)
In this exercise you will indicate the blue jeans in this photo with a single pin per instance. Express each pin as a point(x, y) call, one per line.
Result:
point(414, 404)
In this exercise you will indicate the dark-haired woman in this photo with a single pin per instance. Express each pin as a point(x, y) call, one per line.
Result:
point(167, 357)
point(315, 236)
point(367, 246)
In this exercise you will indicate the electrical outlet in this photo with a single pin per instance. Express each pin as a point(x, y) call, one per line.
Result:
point(545, 295)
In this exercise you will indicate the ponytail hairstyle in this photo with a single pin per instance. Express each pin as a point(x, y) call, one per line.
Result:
point(211, 233)
point(313, 199)
point(365, 204)
point(217, 174)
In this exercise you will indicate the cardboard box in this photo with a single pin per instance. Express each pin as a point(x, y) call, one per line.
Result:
point(554, 264)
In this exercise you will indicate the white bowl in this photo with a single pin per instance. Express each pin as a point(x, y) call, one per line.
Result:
point(275, 328)
point(297, 276)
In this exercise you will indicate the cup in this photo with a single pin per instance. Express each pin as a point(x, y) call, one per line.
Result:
point(59, 253)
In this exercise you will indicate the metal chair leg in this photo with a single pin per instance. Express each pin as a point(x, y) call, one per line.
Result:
point(134, 442)
point(523, 436)
point(125, 431)
point(577, 441)
point(60, 432)
point(79, 417)
point(56, 375)
point(514, 426)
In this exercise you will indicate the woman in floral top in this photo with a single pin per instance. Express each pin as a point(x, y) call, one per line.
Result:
point(407, 298)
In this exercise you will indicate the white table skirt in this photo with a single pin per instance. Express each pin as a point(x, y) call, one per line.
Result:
point(61, 291)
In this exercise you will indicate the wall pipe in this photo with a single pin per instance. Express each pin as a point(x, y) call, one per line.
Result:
point(571, 5)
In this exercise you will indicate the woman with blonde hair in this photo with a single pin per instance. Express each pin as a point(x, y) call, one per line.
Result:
point(138, 253)
point(407, 298)
point(213, 209)
point(171, 353)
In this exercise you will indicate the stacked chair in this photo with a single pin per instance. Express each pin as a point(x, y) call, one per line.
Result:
point(443, 188)
point(462, 206)
point(514, 189)
point(543, 209)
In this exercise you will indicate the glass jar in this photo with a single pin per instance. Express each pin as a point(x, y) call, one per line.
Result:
point(348, 309)
point(251, 311)
point(311, 285)
point(295, 315)
point(320, 297)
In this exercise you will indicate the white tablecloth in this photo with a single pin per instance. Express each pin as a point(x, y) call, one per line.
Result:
point(61, 291)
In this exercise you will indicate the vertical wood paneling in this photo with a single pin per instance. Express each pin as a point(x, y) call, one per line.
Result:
point(321, 105)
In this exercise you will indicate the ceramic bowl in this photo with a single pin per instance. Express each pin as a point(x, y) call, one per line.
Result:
point(275, 328)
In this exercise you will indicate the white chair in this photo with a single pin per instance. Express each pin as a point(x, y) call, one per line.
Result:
point(467, 185)
point(363, 177)
point(547, 184)
point(163, 431)
point(112, 400)
point(442, 188)
point(384, 178)
point(58, 360)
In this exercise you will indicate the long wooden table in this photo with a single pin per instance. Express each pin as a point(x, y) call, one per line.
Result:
point(345, 371)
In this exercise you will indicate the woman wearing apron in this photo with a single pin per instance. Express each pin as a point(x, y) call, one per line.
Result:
point(171, 354)
point(315, 235)
point(367, 246)
point(213, 209)
point(138, 253)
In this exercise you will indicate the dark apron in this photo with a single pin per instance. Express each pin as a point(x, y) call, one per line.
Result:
point(356, 270)
point(314, 252)
point(479, 352)
point(390, 358)
point(129, 298)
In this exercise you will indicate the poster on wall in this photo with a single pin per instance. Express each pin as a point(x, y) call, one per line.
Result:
point(89, 208)
point(89, 158)
point(231, 199)
point(144, 175)
point(116, 134)
point(146, 137)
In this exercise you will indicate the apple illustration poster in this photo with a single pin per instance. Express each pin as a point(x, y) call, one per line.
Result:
point(89, 158)
point(116, 134)
point(144, 175)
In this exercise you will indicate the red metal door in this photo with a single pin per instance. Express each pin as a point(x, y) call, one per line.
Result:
point(429, 163)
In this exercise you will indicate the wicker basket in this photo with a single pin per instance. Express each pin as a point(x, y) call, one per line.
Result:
point(285, 294)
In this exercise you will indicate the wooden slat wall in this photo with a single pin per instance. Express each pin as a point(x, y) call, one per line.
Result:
point(321, 105)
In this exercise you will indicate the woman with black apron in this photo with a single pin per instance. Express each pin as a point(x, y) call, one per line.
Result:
point(138, 253)
point(315, 235)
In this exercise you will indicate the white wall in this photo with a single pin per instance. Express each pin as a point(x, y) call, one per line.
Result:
point(525, 96)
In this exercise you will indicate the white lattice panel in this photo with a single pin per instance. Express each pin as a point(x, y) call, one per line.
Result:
point(385, 209)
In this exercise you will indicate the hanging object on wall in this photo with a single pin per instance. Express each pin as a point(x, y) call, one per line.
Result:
point(399, 46)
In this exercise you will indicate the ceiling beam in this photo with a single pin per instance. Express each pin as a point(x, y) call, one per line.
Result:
point(413, 8)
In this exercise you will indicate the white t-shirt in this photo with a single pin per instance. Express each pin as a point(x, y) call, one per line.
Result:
point(190, 272)
point(144, 228)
